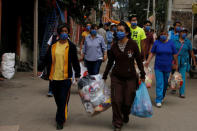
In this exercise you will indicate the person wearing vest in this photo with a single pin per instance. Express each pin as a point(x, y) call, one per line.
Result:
point(124, 81)
point(184, 46)
point(60, 59)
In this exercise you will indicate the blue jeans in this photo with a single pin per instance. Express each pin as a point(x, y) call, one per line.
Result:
point(161, 84)
point(182, 70)
point(93, 67)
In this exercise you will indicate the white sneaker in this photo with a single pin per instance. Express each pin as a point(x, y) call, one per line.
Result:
point(158, 105)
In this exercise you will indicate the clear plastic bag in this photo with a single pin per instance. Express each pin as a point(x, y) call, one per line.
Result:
point(149, 75)
point(175, 80)
point(95, 95)
point(142, 106)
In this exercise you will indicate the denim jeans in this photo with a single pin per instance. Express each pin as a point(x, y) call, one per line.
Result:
point(161, 84)
point(93, 67)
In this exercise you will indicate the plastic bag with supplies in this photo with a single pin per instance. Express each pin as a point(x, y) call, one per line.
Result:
point(95, 95)
point(175, 80)
point(149, 75)
point(142, 106)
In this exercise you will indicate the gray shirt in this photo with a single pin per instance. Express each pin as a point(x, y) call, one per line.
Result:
point(93, 49)
point(102, 32)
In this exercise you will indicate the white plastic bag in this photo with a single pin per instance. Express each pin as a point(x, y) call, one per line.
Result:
point(84, 72)
point(7, 65)
point(95, 95)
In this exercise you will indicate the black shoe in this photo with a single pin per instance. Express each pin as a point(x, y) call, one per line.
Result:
point(59, 126)
point(126, 119)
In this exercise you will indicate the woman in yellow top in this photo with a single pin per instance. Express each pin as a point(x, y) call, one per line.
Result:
point(59, 60)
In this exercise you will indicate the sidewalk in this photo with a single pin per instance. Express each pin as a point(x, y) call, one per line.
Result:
point(23, 102)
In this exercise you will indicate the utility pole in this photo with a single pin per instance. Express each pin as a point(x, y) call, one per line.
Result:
point(154, 15)
point(169, 17)
point(148, 9)
point(35, 51)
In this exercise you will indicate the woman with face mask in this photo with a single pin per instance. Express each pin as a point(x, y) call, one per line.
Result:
point(124, 81)
point(184, 48)
point(94, 51)
point(165, 51)
point(61, 57)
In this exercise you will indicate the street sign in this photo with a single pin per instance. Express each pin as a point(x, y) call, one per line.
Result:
point(194, 8)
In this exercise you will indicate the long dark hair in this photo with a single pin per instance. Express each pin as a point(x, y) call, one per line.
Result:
point(127, 29)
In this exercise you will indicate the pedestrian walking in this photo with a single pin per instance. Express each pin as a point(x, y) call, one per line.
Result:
point(101, 31)
point(148, 42)
point(184, 48)
point(173, 33)
point(52, 40)
point(165, 51)
point(94, 51)
point(124, 81)
point(137, 33)
point(109, 37)
point(60, 58)
point(84, 35)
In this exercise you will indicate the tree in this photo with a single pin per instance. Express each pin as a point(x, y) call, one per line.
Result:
point(77, 9)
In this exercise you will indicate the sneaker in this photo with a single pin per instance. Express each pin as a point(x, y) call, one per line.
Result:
point(126, 119)
point(173, 92)
point(158, 105)
point(182, 96)
point(50, 94)
point(59, 126)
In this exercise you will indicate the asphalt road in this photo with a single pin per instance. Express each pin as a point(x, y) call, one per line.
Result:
point(23, 102)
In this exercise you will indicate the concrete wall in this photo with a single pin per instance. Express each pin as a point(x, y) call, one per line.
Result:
point(26, 54)
point(183, 5)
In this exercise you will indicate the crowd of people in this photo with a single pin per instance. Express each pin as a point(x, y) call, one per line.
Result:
point(122, 45)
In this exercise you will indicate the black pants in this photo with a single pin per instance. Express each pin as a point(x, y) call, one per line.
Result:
point(61, 92)
point(93, 66)
point(122, 94)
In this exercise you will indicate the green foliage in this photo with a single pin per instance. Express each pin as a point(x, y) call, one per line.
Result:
point(140, 8)
point(77, 9)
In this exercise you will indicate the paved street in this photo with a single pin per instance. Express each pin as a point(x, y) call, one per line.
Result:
point(23, 102)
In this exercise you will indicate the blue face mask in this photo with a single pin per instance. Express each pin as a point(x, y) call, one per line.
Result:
point(184, 35)
point(120, 35)
point(63, 36)
point(114, 28)
point(134, 24)
point(178, 29)
point(163, 37)
point(88, 28)
point(147, 28)
point(93, 32)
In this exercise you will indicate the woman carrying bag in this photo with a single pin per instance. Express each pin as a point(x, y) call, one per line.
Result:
point(60, 59)
point(165, 51)
point(184, 46)
point(124, 81)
